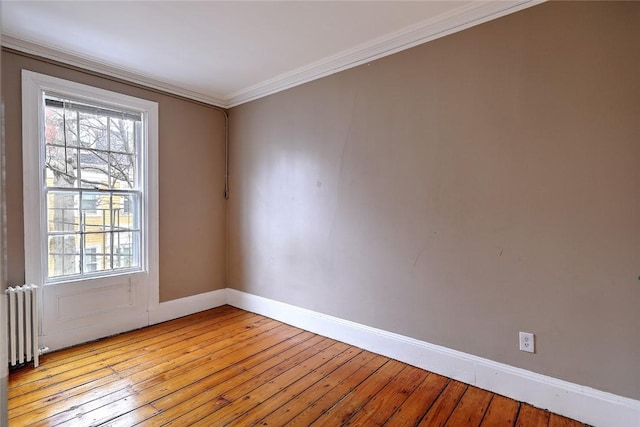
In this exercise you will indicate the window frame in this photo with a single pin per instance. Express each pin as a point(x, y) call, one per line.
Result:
point(87, 210)
point(34, 181)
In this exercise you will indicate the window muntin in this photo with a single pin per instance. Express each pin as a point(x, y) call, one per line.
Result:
point(92, 156)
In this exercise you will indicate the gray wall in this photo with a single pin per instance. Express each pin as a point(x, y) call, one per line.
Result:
point(459, 192)
point(191, 181)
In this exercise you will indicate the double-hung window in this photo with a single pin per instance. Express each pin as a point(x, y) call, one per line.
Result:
point(92, 197)
point(93, 188)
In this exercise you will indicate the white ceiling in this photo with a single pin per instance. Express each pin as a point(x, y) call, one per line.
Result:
point(229, 52)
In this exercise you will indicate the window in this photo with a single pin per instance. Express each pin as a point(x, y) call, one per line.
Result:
point(92, 154)
point(93, 194)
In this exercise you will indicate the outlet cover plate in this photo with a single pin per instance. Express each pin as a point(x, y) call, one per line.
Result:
point(527, 342)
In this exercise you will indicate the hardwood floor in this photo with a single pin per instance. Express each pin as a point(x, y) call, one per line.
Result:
point(230, 367)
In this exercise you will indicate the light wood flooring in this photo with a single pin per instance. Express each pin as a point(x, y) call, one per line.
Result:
point(230, 367)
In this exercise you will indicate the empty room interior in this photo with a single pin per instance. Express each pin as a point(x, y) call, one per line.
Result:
point(321, 213)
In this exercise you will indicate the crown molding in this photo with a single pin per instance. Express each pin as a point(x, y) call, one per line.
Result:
point(473, 13)
point(469, 15)
point(90, 64)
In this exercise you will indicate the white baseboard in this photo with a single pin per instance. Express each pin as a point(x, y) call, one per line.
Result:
point(582, 403)
point(185, 306)
point(575, 401)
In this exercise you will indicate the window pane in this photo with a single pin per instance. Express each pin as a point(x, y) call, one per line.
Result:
point(94, 169)
point(90, 202)
point(62, 212)
point(71, 127)
point(60, 166)
point(123, 171)
point(97, 253)
point(125, 208)
point(90, 260)
point(54, 126)
point(93, 131)
point(125, 249)
point(121, 135)
point(96, 211)
point(64, 255)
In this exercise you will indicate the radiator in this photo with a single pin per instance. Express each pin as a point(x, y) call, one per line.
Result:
point(22, 313)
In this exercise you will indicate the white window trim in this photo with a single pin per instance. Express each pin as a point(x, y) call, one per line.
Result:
point(33, 85)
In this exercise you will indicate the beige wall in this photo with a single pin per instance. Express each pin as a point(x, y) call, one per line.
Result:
point(4, 363)
point(459, 192)
point(191, 180)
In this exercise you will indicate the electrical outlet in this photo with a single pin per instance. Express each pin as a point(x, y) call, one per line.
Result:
point(527, 342)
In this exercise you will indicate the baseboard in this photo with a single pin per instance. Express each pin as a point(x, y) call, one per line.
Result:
point(582, 403)
point(185, 306)
point(575, 401)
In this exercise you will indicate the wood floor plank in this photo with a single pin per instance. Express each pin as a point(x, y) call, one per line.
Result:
point(169, 376)
point(224, 394)
point(141, 374)
point(212, 397)
point(75, 413)
point(346, 408)
point(180, 360)
point(378, 410)
point(42, 409)
point(532, 417)
point(283, 414)
point(165, 373)
point(241, 404)
point(70, 383)
point(103, 414)
point(411, 410)
point(73, 357)
point(502, 412)
point(226, 366)
point(274, 400)
point(470, 409)
point(188, 343)
point(337, 393)
point(47, 376)
point(109, 406)
point(560, 421)
point(132, 418)
point(444, 405)
point(72, 354)
point(171, 397)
